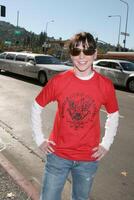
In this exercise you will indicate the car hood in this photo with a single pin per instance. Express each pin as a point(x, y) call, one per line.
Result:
point(54, 67)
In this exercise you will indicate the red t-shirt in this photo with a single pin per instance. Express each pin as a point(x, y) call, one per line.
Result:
point(76, 129)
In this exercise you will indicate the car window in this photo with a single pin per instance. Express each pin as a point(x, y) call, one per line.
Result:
point(102, 64)
point(46, 60)
point(113, 65)
point(21, 58)
point(127, 66)
point(10, 56)
point(108, 64)
point(2, 55)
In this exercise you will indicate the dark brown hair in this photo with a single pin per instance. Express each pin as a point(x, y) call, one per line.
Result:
point(83, 37)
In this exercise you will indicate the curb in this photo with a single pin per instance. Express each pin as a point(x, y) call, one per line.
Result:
point(25, 185)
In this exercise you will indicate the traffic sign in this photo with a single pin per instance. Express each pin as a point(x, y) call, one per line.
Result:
point(123, 33)
point(17, 32)
point(8, 42)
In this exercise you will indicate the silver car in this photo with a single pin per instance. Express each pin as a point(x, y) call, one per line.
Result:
point(121, 72)
point(38, 66)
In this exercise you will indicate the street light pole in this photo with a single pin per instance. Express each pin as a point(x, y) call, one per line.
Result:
point(126, 23)
point(47, 26)
point(18, 13)
point(45, 45)
point(118, 44)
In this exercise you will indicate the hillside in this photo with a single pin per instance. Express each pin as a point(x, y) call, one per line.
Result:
point(10, 33)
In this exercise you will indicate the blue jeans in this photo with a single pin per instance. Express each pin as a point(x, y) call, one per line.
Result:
point(56, 173)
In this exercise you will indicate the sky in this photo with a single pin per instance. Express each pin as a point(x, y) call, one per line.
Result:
point(64, 18)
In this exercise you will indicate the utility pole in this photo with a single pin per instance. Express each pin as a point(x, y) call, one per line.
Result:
point(118, 44)
point(125, 33)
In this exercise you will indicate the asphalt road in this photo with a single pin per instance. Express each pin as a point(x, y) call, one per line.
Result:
point(115, 177)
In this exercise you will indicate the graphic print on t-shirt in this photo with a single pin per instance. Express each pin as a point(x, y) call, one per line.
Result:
point(78, 109)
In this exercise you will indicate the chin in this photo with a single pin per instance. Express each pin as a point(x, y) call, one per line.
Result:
point(83, 69)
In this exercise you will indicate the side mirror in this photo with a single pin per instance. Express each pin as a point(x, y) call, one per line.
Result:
point(118, 67)
point(32, 62)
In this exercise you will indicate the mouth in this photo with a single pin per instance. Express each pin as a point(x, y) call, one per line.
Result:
point(82, 62)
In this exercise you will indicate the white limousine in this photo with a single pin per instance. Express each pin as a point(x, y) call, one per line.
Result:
point(38, 66)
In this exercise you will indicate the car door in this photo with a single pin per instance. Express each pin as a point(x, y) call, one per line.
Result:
point(107, 68)
point(2, 61)
point(9, 62)
point(101, 67)
point(111, 71)
point(115, 72)
point(20, 63)
point(30, 69)
point(120, 75)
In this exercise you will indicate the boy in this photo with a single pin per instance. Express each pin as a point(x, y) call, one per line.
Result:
point(74, 143)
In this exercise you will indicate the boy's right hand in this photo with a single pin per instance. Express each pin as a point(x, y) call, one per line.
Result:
point(46, 146)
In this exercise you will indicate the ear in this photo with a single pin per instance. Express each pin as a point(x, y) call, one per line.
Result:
point(95, 55)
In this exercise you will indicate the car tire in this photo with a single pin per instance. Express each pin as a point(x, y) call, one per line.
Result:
point(42, 77)
point(130, 85)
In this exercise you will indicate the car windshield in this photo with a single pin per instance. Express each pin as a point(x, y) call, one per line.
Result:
point(47, 60)
point(127, 66)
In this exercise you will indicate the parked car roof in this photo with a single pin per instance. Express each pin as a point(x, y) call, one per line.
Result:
point(26, 53)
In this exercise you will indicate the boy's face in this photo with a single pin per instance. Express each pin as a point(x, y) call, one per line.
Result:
point(83, 63)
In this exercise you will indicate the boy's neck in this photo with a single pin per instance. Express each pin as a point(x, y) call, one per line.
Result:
point(86, 73)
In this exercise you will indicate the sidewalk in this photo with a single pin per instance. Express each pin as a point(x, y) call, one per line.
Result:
point(14, 184)
point(21, 170)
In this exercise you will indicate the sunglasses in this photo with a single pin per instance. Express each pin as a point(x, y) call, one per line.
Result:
point(76, 51)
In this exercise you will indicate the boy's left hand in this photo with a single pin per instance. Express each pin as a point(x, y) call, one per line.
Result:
point(99, 152)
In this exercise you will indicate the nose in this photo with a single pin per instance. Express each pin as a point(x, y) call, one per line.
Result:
point(81, 54)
